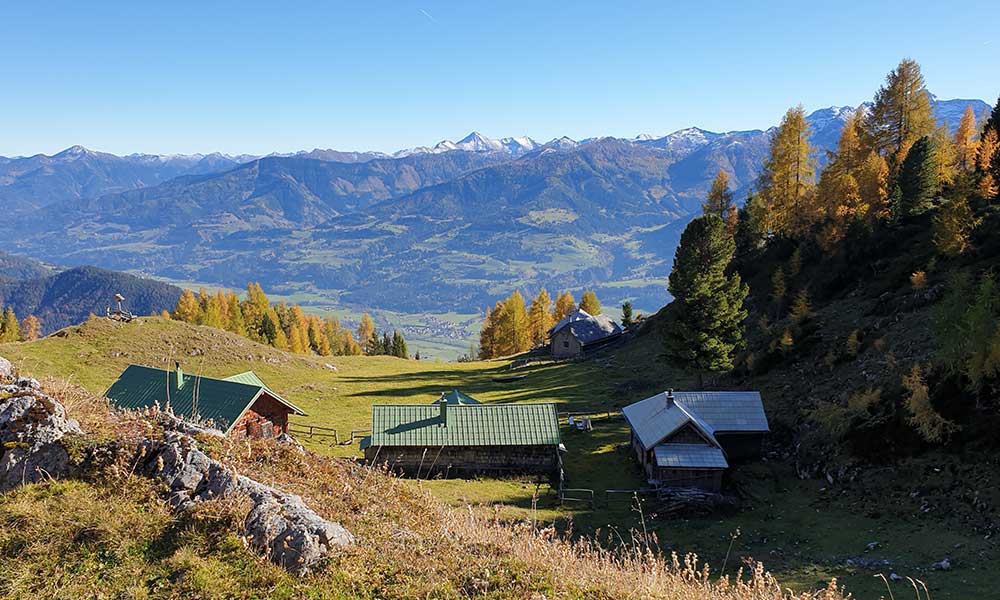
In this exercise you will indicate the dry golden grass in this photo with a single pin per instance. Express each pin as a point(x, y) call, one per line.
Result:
point(112, 535)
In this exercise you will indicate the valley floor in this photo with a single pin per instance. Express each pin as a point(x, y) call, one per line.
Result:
point(805, 531)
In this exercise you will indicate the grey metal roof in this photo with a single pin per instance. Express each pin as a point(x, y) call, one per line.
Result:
point(713, 412)
point(586, 327)
point(533, 424)
point(689, 456)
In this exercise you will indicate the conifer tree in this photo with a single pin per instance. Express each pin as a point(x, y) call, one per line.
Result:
point(349, 345)
point(187, 308)
point(929, 423)
point(900, 115)
point(374, 346)
point(31, 328)
point(778, 288)
point(590, 304)
point(295, 342)
point(945, 156)
point(873, 186)
point(514, 336)
point(235, 323)
point(918, 179)
point(719, 199)
point(399, 349)
point(386, 345)
point(10, 331)
point(254, 307)
point(966, 144)
point(705, 325)
point(565, 304)
point(319, 342)
point(985, 158)
point(751, 228)
point(801, 308)
point(540, 317)
point(787, 179)
point(489, 335)
point(953, 227)
point(222, 301)
point(838, 193)
point(366, 329)
point(627, 314)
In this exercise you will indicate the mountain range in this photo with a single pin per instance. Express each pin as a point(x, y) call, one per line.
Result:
point(448, 227)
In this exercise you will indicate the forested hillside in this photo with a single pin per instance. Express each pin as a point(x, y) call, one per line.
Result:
point(872, 305)
point(68, 297)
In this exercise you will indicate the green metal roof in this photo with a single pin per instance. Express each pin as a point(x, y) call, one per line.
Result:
point(457, 397)
point(467, 425)
point(221, 400)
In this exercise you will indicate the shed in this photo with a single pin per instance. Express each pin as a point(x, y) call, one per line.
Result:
point(241, 403)
point(452, 436)
point(579, 331)
point(690, 438)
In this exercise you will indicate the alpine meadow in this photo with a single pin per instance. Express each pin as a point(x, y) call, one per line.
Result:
point(756, 359)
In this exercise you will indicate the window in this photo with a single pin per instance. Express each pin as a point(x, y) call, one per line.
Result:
point(566, 344)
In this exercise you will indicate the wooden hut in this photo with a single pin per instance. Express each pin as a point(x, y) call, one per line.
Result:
point(456, 436)
point(687, 439)
point(240, 404)
point(579, 331)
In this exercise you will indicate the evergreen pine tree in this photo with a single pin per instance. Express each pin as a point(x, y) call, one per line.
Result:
point(386, 346)
point(627, 314)
point(751, 228)
point(374, 346)
point(399, 349)
point(719, 199)
point(705, 323)
point(540, 317)
point(590, 304)
point(918, 179)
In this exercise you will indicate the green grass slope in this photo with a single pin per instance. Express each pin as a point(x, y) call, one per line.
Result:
point(806, 530)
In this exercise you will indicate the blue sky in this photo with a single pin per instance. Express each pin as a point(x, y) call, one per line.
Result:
point(258, 77)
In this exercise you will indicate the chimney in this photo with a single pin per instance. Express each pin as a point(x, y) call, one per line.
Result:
point(670, 397)
point(180, 374)
point(443, 405)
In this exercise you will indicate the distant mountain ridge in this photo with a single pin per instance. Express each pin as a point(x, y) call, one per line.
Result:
point(447, 227)
point(69, 297)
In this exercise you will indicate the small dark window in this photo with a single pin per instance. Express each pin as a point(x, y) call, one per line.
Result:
point(565, 344)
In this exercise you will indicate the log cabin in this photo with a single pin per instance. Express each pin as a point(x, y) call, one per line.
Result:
point(457, 435)
point(579, 332)
point(238, 405)
point(689, 439)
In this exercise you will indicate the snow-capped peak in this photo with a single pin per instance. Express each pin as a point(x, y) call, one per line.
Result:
point(476, 142)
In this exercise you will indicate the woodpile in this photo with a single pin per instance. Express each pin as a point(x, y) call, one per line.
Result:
point(687, 501)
